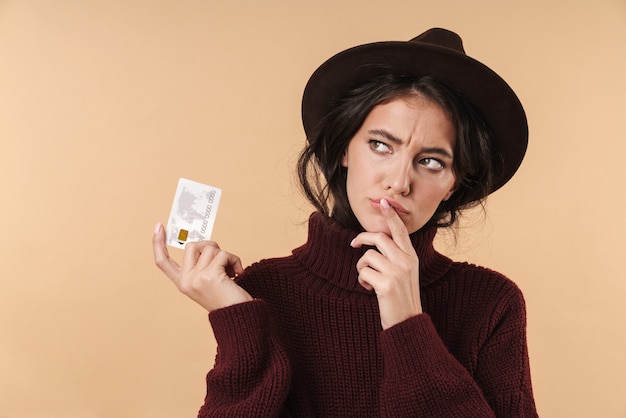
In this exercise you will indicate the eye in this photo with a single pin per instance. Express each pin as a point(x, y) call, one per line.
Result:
point(379, 147)
point(432, 163)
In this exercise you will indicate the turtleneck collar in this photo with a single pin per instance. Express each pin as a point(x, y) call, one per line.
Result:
point(328, 253)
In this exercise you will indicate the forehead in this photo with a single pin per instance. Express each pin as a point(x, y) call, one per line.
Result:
point(411, 117)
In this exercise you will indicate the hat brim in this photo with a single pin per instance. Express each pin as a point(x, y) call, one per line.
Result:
point(479, 85)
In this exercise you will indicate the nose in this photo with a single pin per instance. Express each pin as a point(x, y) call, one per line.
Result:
point(399, 178)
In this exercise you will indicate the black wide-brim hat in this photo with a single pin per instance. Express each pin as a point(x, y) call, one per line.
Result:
point(437, 53)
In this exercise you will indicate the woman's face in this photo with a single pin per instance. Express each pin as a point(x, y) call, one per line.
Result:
point(403, 152)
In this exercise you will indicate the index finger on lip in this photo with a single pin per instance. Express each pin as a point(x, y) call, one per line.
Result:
point(399, 232)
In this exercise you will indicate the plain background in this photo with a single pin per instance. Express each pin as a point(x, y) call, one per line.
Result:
point(105, 104)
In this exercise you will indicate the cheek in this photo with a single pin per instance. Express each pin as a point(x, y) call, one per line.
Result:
point(430, 196)
point(362, 176)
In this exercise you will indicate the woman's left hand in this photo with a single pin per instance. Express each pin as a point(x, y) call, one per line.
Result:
point(392, 271)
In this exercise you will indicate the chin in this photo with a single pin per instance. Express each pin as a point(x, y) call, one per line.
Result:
point(377, 227)
point(374, 226)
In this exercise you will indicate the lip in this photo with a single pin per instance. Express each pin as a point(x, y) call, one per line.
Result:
point(400, 209)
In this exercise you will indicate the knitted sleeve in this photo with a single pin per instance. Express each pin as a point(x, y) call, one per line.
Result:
point(251, 375)
point(421, 375)
point(503, 370)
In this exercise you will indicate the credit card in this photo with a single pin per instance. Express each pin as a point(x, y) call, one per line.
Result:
point(193, 213)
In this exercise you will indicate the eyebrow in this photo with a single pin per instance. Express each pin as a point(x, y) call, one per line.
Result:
point(388, 135)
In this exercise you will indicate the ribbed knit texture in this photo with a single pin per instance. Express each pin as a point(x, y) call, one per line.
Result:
point(311, 344)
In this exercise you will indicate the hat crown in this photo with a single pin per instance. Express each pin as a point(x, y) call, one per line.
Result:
point(442, 38)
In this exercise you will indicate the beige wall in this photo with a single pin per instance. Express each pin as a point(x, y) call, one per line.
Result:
point(104, 104)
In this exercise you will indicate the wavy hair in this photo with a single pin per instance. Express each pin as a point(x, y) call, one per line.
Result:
point(323, 178)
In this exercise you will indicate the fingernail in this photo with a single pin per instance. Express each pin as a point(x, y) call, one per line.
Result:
point(384, 204)
point(157, 227)
point(352, 242)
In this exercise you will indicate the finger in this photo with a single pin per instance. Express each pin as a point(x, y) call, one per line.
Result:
point(162, 257)
point(379, 240)
point(206, 256)
point(228, 262)
point(193, 251)
point(383, 242)
point(363, 282)
point(372, 259)
point(368, 278)
point(399, 232)
point(232, 264)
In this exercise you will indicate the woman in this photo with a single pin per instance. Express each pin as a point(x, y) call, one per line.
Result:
point(366, 318)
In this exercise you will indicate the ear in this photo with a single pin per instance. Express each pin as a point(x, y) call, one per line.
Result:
point(450, 193)
point(454, 188)
point(344, 158)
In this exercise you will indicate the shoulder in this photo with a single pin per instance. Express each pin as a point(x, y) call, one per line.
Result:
point(478, 299)
point(485, 286)
point(265, 267)
point(482, 276)
point(272, 280)
point(267, 272)
point(271, 265)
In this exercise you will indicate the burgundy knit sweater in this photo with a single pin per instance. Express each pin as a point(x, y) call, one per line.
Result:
point(311, 344)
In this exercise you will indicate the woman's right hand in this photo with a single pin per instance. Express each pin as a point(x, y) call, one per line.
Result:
point(206, 275)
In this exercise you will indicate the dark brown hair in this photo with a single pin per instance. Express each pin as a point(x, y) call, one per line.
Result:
point(323, 178)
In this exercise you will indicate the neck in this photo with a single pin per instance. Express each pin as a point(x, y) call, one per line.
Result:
point(328, 254)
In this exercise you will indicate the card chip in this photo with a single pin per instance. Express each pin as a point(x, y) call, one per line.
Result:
point(182, 235)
